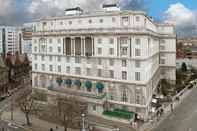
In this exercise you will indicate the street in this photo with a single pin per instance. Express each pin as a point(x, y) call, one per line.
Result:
point(184, 117)
point(9, 127)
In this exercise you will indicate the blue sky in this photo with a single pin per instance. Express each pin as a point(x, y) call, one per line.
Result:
point(182, 13)
point(156, 8)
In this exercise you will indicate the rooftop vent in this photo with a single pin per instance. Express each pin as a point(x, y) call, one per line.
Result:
point(111, 7)
point(73, 11)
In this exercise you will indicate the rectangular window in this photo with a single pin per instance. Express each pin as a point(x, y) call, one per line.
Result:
point(99, 72)
point(35, 57)
point(35, 49)
point(137, 52)
point(162, 47)
point(99, 51)
point(50, 58)
point(137, 42)
point(35, 41)
point(124, 51)
point(162, 61)
point(77, 60)
point(59, 49)
point(111, 62)
point(111, 40)
point(43, 58)
point(50, 40)
point(137, 76)
point(59, 40)
point(124, 75)
point(99, 41)
point(124, 63)
point(50, 67)
point(43, 67)
point(36, 66)
point(137, 18)
point(88, 72)
point(137, 64)
point(59, 59)
point(77, 70)
point(68, 69)
point(99, 62)
point(43, 48)
point(67, 59)
point(59, 68)
point(111, 51)
point(111, 74)
point(50, 49)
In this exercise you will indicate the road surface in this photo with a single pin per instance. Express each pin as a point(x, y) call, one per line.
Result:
point(184, 117)
point(9, 127)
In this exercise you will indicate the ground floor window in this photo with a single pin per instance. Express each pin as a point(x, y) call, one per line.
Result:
point(94, 107)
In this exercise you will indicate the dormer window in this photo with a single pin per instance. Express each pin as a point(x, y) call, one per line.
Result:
point(101, 20)
point(70, 22)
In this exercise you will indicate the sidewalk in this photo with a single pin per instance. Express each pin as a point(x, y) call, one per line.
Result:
point(37, 124)
point(167, 111)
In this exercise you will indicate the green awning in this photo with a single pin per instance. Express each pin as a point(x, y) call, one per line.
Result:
point(59, 81)
point(50, 87)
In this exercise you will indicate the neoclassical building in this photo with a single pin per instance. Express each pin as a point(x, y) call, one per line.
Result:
point(110, 56)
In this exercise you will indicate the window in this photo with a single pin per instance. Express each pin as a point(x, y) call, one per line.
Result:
point(59, 59)
point(99, 62)
point(111, 62)
point(51, 23)
point(50, 49)
point(77, 70)
point(50, 67)
point(50, 58)
point(94, 107)
point(162, 61)
point(43, 58)
point(43, 67)
point(36, 66)
point(99, 51)
point(50, 40)
point(137, 42)
point(125, 21)
point(124, 63)
point(137, 52)
point(124, 75)
point(101, 20)
point(90, 21)
point(137, 18)
point(43, 48)
point(162, 47)
point(111, 40)
point(68, 59)
point(113, 19)
point(137, 64)
point(124, 51)
point(59, 68)
point(70, 22)
point(88, 71)
point(99, 71)
point(111, 51)
point(124, 95)
point(59, 40)
point(61, 23)
point(162, 55)
point(111, 74)
point(77, 60)
point(137, 76)
point(35, 57)
point(59, 49)
point(35, 48)
point(68, 69)
point(99, 40)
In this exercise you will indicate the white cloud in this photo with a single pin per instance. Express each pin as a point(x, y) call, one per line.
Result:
point(5, 7)
point(184, 18)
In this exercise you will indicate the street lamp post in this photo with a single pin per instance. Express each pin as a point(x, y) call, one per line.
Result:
point(83, 122)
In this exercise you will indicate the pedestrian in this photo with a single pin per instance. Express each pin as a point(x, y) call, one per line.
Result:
point(56, 128)
point(51, 129)
point(171, 105)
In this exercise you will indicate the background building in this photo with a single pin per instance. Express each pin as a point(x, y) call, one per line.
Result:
point(112, 59)
point(10, 40)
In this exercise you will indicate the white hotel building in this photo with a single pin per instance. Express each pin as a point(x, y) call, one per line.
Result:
point(114, 56)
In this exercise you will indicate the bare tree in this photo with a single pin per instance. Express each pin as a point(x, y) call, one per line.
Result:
point(68, 111)
point(26, 103)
